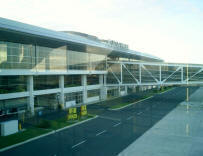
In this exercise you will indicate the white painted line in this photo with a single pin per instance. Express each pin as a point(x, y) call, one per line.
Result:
point(166, 90)
point(79, 143)
point(139, 113)
point(109, 118)
point(117, 124)
point(100, 133)
point(43, 135)
point(129, 118)
point(116, 109)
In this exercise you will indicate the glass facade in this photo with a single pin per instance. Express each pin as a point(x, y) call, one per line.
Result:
point(97, 62)
point(12, 105)
point(75, 96)
point(78, 60)
point(28, 56)
point(46, 82)
point(16, 56)
point(112, 92)
point(12, 84)
point(92, 93)
point(72, 81)
point(51, 58)
point(92, 79)
point(49, 101)
point(86, 61)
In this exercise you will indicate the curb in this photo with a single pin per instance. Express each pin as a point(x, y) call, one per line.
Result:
point(116, 109)
point(43, 135)
point(166, 91)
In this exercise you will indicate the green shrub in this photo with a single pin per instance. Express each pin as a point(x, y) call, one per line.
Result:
point(44, 124)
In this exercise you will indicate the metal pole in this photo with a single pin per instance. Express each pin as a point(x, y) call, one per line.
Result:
point(182, 74)
point(121, 73)
point(140, 73)
point(160, 74)
point(187, 96)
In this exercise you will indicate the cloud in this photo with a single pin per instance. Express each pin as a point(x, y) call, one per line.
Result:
point(169, 29)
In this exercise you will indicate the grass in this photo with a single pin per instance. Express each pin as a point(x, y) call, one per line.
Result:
point(121, 103)
point(60, 123)
point(43, 127)
point(21, 136)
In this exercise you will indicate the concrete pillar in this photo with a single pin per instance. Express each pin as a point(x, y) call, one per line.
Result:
point(140, 89)
point(126, 90)
point(119, 90)
point(61, 86)
point(84, 84)
point(134, 89)
point(30, 89)
point(103, 89)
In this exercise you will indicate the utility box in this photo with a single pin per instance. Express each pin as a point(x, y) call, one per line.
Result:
point(9, 127)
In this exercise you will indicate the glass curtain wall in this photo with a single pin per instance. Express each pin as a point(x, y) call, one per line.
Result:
point(50, 101)
point(51, 58)
point(25, 56)
point(92, 79)
point(72, 81)
point(46, 82)
point(12, 105)
point(12, 84)
point(75, 96)
point(16, 56)
point(92, 93)
point(86, 61)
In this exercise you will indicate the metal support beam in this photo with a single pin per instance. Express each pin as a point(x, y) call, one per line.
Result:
point(160, 74)
point(149, 73)
point(160, 79)
point(114, 75)
point(140, 73)
point(136, 80)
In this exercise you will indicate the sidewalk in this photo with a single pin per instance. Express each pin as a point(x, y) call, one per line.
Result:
point(178, 133)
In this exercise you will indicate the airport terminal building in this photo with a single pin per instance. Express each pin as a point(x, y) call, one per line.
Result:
point(41, 68)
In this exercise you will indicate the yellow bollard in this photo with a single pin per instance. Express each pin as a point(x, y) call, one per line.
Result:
point(20, 126)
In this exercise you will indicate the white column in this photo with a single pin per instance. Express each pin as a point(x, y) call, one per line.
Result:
point(31, 96)
point(119, 90)
point(126, 90)
point(84, 84)
point(61, 86)
point(103, 89)
point(134, 89)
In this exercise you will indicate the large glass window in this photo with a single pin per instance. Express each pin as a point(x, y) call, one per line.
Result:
point(72, 80)
point(112, 92)
point(49, 101)
point(75, 96)
point(16, 56)
point(51, 58)
point(92, 79)
point(78, 60)
point(12, 105)
point(86, 61)
point(27, 56)
point(92, 93)
point(12, 84)
point(46, 82)
point(98, 62)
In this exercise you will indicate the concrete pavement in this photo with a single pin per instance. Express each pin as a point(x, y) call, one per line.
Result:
point(108, 134)
point(179, 133)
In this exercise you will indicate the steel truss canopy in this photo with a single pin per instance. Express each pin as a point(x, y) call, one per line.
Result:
point(150, 73)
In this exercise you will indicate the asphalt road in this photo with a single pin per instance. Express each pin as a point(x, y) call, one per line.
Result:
point(108, 134)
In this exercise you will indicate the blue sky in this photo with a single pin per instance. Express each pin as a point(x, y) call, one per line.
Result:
point(170, 29)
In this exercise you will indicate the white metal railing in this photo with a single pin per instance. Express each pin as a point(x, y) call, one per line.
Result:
point(155, 73)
